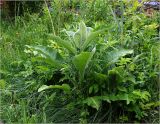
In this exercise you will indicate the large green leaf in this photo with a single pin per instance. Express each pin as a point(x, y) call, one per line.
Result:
point(64, 87)
point(125, 97)
point(105, 98)
point(49, 55)
point(64, 44)
point(81, 34)
point(114, 55)
point(91, 37)
point(93, 102)
point(96, 101)
point(82, 60)
point(47, 60)
point(83, 30)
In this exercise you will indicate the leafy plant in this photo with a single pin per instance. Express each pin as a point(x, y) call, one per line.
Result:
point(79, 60)
point(107, 73)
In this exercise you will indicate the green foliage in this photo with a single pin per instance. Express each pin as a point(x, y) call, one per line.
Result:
point(50, 55)
point(65, 44)
point(2, 84)
point(79, 40)
point(81, 61)
point(108, 72)
point(64, 87)
point(114, 55)
point(120, 75)
point(93, 101)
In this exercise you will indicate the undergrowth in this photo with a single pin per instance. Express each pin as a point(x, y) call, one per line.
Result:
point(56, 68)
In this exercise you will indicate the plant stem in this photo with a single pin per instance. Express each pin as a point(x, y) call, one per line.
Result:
point(50, 17)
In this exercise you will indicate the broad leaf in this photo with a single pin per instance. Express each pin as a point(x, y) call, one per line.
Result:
point(106, 98)
point(125, 97)
point(91, 38)
point(64, 87)
point(50, 55)
point(47, 60)
point(82, 60)
point(81, 34)
point(93, 102)
point(64, 44)
point(114, 55)
point(96, 101)
point(83, 31)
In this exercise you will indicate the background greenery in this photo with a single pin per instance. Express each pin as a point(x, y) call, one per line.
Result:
point(89, 61)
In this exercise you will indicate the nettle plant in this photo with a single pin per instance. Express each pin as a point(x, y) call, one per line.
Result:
point(95, 70)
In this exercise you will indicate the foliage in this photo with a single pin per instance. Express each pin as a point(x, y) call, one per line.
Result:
point(108, 72)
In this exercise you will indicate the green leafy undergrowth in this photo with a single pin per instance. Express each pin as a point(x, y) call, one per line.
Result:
point(96, 71)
